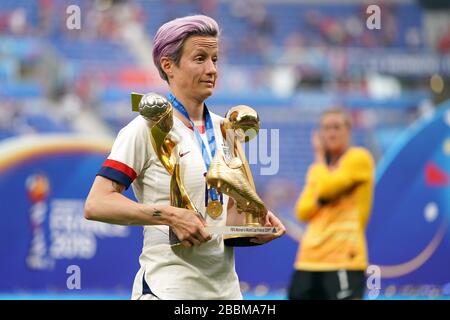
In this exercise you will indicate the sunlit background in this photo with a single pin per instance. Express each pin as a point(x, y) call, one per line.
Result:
point(65, 93)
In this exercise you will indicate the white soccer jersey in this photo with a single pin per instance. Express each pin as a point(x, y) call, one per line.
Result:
point(200, 272)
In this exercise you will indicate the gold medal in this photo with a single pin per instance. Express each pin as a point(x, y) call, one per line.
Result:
point(214, 208)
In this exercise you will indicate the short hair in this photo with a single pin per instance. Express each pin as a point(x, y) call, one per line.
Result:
point(171, 36)
point(344, 113)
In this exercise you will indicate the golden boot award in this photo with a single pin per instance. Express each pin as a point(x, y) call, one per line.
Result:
point(158, 111)
point(230, 173)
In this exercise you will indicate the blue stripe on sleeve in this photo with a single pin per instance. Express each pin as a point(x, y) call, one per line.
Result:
point(115, 175)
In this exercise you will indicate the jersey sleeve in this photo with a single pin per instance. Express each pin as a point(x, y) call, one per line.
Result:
point(130, 154)
point(323, 184)
point(307, 203)
point(357, 167)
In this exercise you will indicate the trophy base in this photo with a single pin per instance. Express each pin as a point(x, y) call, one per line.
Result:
point(240, 241)
point(240, 236)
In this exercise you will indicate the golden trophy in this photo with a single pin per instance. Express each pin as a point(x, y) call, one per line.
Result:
point(230, 173)
point(159, 114)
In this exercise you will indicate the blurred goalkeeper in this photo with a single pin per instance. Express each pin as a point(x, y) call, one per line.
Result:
point(335, 203)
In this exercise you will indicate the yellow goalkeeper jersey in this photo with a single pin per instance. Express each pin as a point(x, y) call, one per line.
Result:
point(336, 203)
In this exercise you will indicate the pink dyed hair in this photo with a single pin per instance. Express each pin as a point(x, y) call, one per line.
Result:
point(169, 39)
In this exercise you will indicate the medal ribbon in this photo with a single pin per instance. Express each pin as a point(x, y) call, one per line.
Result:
point(209, 129)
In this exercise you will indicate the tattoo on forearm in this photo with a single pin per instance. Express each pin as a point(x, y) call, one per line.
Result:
point(156, 213)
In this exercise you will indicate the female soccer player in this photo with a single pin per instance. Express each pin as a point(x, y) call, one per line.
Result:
point(186, 52)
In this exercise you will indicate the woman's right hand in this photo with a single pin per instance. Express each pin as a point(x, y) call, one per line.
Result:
point(189, 226)
point(317, 145)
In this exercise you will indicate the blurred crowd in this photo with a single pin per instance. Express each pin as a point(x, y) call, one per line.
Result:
point(267, 48)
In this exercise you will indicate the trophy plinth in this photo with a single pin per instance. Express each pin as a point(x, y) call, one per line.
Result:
point(244, 239)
